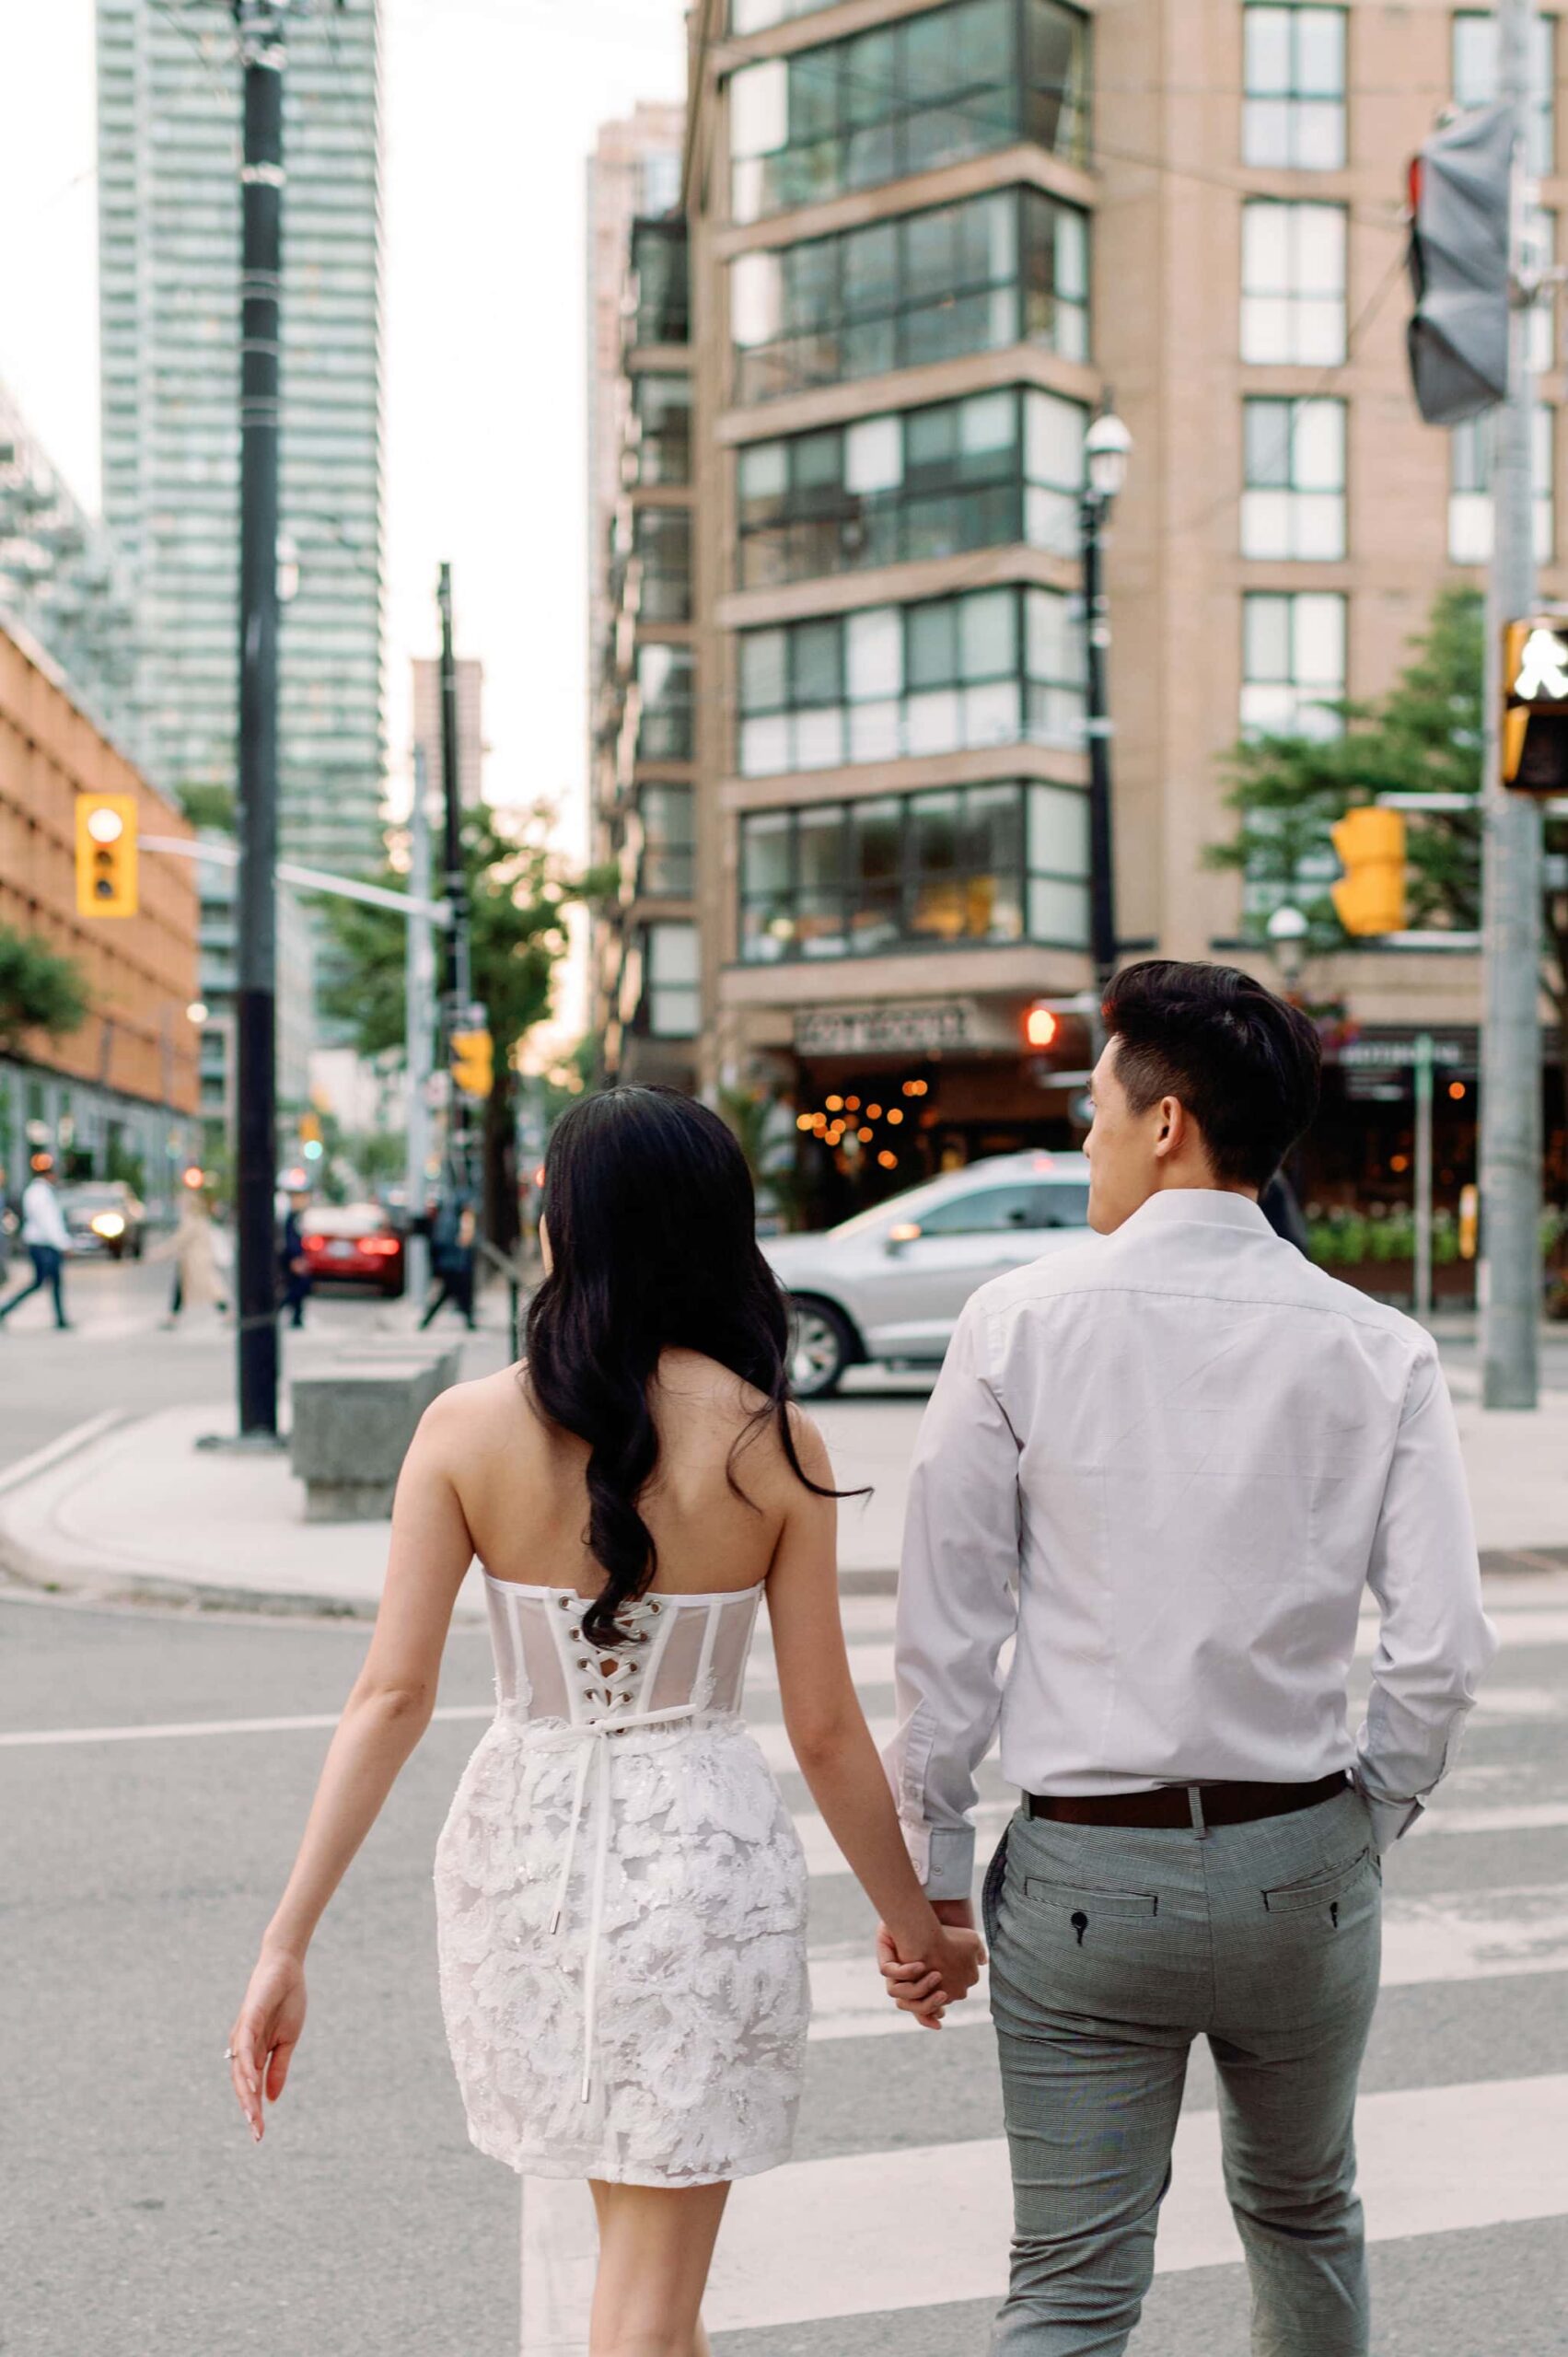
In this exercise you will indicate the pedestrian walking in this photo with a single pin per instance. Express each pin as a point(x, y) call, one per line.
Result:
point(293, 1266)
point(620, 1894)
point(193, 1249)
point(454, 1234)
point(47, 1239)
point(1164, 1465)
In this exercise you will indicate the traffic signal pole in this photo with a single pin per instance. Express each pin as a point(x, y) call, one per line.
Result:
point(262, 187)
point(457, 978)
point(1509, 1274)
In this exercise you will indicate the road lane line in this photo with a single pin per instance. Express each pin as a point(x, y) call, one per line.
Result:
point(926, 2225)
point(303, 1724)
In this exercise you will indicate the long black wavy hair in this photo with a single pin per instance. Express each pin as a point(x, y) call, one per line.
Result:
point(652, 1224)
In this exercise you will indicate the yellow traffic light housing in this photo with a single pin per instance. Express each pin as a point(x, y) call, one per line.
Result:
point(474, 1063)
point(1535, 706)
point(106, 854)
point(1370, 897)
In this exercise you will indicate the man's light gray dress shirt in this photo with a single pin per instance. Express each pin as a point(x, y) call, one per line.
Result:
point(1167, 1463)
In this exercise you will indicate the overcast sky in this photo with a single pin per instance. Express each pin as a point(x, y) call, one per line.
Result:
point(492, 108)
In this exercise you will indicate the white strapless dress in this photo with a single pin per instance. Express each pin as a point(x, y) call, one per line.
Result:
point(620, 1901)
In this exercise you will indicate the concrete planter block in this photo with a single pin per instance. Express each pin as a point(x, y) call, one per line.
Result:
point(352, 1427)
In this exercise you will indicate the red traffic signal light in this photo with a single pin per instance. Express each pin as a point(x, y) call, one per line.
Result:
point(1042, 1026)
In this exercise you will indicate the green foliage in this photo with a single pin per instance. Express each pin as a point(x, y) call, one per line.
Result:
point(375, 1156)
point(40, 990)
point(518, 897)
point(1426, 735)
point(207, 806)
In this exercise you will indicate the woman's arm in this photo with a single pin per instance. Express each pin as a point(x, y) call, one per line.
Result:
point(387, 1712)
point(831, 1741)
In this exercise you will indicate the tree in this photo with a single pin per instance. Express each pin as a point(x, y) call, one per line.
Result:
point(1426, 735)
point(39, 991)
point(205, 804)
point(518, 895)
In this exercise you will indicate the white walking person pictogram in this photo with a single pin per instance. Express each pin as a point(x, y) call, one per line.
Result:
point(1543, 668)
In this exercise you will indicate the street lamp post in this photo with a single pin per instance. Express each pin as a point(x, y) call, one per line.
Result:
point(1106, 447)
point(1287, 939)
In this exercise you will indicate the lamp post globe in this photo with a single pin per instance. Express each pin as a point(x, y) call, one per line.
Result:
point(1287, 938)
point(1107, 446)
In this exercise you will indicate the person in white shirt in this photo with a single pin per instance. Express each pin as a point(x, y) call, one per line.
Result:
point(1163, 1466)
point(47, 1238)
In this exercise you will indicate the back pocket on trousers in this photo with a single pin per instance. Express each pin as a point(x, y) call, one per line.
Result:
point(1323, 1890)
point(1123, 1906)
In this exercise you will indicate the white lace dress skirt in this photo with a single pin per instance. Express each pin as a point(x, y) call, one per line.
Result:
point(621, 1922)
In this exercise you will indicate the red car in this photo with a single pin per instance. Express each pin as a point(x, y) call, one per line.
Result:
point(353, 1244)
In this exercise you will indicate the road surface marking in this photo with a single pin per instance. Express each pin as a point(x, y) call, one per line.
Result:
point(925, 2226)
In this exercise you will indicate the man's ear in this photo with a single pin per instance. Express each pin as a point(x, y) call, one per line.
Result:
point(1172, 1129)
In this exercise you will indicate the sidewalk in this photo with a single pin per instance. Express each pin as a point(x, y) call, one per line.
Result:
point(130, 1508)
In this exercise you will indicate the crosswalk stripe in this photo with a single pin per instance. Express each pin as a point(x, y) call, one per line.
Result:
point(927, 2226)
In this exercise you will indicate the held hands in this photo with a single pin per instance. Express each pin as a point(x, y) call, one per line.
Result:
point(266, 2031)
point(945, 1973)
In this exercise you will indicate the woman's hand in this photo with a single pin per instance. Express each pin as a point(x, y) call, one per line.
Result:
point(926, 1985)
point(266, 2031)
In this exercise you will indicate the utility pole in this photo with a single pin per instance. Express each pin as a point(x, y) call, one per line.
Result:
point(1106, 447)
point(419, 978)
point(1510, 1057)
point(260, 26)
point(458, 980)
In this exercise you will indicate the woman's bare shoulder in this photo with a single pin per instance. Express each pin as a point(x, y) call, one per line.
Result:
point(490, 1411)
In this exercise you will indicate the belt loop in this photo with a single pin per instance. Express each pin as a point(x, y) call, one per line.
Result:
point(1195, 1803)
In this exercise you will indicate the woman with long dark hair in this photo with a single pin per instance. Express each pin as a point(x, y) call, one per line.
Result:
point(620, 1893)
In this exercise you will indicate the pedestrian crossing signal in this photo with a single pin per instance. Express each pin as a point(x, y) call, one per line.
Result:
point(1535, 706)
point(106, 854)
point(474, 1063)
point(1369, 899)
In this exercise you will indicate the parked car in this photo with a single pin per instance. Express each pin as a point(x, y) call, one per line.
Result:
point(353, 1243)
point(105, 1215)
point(888, 1284)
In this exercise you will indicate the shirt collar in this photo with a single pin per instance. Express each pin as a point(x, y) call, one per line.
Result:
point(1199, 1207)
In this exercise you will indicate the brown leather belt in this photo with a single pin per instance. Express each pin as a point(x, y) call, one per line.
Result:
point(1171, 1805)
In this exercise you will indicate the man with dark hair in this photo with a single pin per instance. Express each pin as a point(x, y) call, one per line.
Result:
point(1165, 1465)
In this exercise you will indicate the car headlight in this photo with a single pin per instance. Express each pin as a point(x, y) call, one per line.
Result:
point(110, 1223)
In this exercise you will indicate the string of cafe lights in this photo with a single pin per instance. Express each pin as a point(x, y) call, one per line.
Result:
point(844, 1118)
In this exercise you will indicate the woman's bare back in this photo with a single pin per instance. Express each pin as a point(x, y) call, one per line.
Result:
point(522, 1482)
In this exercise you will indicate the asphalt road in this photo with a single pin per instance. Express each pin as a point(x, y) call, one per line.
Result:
point(136, 1871)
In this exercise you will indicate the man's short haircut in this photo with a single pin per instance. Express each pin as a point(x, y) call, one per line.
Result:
point(1247, 1066)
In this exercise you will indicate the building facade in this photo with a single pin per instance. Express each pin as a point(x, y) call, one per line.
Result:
point(928, 237)
point(168, 95)
point(119, 1097)
point(471, 747)
point(645, 1007)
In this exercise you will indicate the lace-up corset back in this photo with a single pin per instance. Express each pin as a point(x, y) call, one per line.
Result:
point(678, 1655)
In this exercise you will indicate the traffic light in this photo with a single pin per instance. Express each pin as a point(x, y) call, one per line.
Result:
point(1535, 706)
point(1461, 192)
point(106, 854)
point(1041, 1026)
point(1370, 896)
point(474, 1063)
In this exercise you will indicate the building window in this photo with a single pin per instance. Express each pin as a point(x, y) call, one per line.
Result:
point(667, 867)
point(1292, 116)
point(992, 666)
point(1294, 506)
point(1292, 283)
point(665, 715)
point(907, 97)
point(977, 276)
point(660, 300)
point(671, 1002)
point(956, 865)
point(1475, 79)
point(661, 412)
point(996, 468)
point(661, 540)
point(1470, 487)
point(1292, 663)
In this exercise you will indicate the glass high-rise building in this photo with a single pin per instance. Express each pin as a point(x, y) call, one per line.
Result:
point(168, 95)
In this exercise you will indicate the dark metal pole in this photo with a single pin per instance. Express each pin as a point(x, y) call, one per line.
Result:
point(261, 186)
point(458, 978)
point(1097, 639)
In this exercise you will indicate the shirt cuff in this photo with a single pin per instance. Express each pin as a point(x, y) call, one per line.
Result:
point(1389, 1819)
point(951, 1865)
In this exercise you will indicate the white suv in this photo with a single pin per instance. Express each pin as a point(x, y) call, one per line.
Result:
point(888, 1284)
